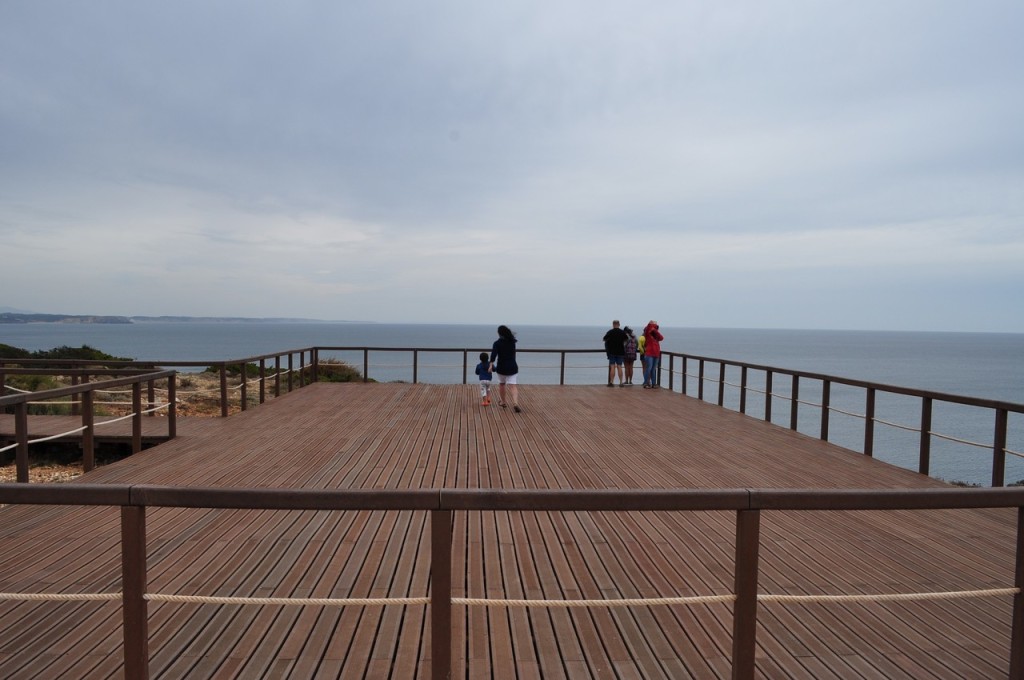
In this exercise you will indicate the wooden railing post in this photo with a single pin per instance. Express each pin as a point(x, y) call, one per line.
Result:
point(561, 370)
point(243, 394)
point(743, 389)
point(277, 376)
point(700, 381)
point(263, 380)
point(826, 403)
point(869, 423)
point(21, 436)
point(151, 397)
point(314, 356)
point(1017, 628)
point(290, 370)
point(415, 365)
point(794, 404)
point(465, 366)
point(721, 383)
point(224, 390)
point(671, 372)
point(768, 396)
point(441, 593)
point(999, 448)
point(88, 434)
point(74, 397)
point(172, 406)
point(926, 435)
point(133, 590)
point(302, 368)
point(683, 375)
point(136, 417)
point(744, 621)
point(366, 365)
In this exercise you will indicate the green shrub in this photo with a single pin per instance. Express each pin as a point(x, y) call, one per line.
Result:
point(333, 370)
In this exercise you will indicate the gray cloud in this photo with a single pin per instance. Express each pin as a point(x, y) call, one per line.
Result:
point(735, 164)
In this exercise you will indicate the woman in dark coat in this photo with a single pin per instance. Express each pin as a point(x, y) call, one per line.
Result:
point(503, 362)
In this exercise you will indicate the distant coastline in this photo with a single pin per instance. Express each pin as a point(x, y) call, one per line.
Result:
point(26, 318)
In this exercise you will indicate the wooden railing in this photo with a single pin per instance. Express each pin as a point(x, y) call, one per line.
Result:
point(928, 399)
point(86, 392)
point(676, 372)
point(285, 361)
point(748, 504)
point(466, 358)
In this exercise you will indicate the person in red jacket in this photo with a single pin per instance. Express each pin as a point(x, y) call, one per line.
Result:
point(652, 354)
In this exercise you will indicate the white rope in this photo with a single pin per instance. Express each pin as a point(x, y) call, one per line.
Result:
point(897, 425)
point(960, 441)
point(15, 389)
point(59, 597)
point(893, 597)
point(846, 413)
point(161, 407)
point(113, 420)
point(284, 601)
point(1014, 453)
point(58, 436)
point(9, 447)
point(628, 602)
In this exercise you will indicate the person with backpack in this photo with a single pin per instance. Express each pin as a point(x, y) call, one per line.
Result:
point(631, 353)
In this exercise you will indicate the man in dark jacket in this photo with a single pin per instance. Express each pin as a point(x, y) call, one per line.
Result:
point(615, 347)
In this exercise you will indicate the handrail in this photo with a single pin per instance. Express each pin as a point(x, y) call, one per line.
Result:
point(854, 382)
point(442, 503)
point(929, 397)
point(1000, 408)
point(21, 402)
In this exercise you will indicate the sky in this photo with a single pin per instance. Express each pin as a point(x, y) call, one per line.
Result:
point(770, 164)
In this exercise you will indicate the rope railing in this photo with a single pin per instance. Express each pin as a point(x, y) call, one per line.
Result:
point(60, 597)
point(570, 604)
point(750, 504)
point(889, 597)
point(290, 601)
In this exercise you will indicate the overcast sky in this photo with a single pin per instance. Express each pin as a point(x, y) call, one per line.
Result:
point(846, 165)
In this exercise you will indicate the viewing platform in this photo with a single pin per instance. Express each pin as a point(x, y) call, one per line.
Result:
point(403, 530)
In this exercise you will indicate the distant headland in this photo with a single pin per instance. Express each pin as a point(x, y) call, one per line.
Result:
point(23, 318)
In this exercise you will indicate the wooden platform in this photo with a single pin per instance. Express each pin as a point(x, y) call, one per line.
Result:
point(416, 436)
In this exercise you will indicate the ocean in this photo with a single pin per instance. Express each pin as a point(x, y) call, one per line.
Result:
point(985, 365)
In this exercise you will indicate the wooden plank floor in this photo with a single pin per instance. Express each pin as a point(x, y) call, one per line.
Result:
point(400, 436)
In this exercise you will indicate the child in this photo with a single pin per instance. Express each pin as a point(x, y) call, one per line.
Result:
point(483, 369)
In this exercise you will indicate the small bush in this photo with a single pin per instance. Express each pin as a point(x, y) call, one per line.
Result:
point(333, 370)
point(966, 485)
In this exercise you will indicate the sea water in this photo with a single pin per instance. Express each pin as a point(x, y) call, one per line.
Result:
point(984, 365)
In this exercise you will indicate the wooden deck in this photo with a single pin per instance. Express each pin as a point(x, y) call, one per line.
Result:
point(397, 436)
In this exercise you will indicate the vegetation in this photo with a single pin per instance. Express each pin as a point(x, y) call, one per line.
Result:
point(333, 370)
point(330, 370)
point(38, 383)
point(58, 354)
